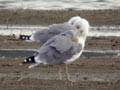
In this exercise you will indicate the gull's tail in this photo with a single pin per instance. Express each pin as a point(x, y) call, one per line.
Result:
point(31, 60)
point(24, 37)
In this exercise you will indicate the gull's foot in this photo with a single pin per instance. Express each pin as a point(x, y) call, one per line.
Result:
point(21, 78)
point(70, 81)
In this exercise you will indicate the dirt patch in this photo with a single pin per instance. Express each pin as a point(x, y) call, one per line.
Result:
point(88, 73)
point(103, 43)
point(43, 17)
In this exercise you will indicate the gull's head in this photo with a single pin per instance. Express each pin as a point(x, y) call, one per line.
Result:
point(82, 25)
point(73, 20)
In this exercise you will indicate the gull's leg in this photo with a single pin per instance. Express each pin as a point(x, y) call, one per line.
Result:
point(67, 74)
point(59, 71)
point(66, 70)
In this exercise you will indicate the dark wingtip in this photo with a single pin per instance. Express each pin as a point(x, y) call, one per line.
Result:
point(24, 37)
point(28, 60)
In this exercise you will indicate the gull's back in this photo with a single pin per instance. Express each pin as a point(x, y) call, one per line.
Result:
point(43, 35)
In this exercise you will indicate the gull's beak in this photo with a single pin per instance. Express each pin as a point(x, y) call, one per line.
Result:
point(73, 39)
point(75, 36)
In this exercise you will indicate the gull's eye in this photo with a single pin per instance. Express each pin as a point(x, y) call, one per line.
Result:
point(72, 23)
point(78, 27)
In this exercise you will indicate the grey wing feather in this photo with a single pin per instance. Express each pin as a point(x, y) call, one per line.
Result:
point(43, 35)
point(59, 49)
point(59, 28)
point(62, 44)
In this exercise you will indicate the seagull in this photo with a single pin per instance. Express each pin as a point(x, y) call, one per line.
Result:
point(43, 35)
point(63, 48)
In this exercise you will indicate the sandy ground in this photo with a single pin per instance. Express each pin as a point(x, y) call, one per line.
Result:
point(43, 17)
point(96, 73)
point(100, 73)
